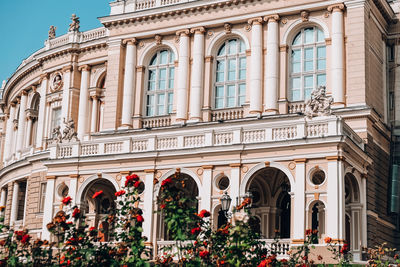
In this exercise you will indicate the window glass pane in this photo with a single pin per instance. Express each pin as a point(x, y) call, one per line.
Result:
point(219, 103)
point(320, 36)
point(308, 81)
point(160, 104)
point(309, 53)
point(321, 80)
point(308, 66)
point(171, 78)
point(161, 76)
point(152, 78)
point(296, 67)
point(231, 90)
point(153, 61)
point(242, 47)
point(242, 71)
point(296, 55)
point(231, 102)
point(295, 95)
point(321, 52)
point(160, 99)
point(296, 83)
point(221, 51)
point(219, 92)
point(232, 46)
point(297, 39)
point(242, 99)
point(163, 57)
point(232, 70)
point(150, 102)
point(308, 35)
point(321, 64)
point(171, 57)
point(170, 102)
point(242, 89)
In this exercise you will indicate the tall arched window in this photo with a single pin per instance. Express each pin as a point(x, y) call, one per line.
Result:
point(230, 75)
point(160, 84)
point(307, 63)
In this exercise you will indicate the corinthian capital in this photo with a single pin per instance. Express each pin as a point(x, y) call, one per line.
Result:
point(336, 7)
point(272, 18)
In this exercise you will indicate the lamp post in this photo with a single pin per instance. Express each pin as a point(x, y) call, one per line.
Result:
point(226, 201)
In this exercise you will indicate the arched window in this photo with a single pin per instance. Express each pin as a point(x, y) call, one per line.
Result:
point(230, 75)
point(307, 63)
point(160, 84)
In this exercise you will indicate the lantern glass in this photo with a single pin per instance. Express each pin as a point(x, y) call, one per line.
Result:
point(225, 202)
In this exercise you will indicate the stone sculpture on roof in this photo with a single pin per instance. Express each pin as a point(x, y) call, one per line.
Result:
point(319, 104)
point(52, 32)
point(69, 132)
point(74, 25)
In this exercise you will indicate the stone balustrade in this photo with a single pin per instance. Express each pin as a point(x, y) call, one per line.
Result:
point(76, 37)
point(215, 135)
point(119, 7)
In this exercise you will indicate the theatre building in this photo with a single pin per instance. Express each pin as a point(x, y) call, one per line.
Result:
point(294, 101)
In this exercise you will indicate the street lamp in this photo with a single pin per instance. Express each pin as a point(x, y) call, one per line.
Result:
point(226, 201)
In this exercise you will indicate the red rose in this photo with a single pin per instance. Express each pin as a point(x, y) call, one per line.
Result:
point(308, 232)
point(166, 182)
point(284, 261)
point(162, 206)
point(136, 184)
point(195, 230)
point(328, 240)
point(76, 213)
point(67, 200)
point(120, 193)
point(130, 179)
point(139, 218)
point(98, 193)
point(344, 249)
point(92, 228)
point(25, 238)
point(204, 214)
point(204, 253)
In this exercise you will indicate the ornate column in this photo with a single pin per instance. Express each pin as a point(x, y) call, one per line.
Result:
point(272, 65)
point(83, 101)
point(66, 94)
point(42, 111)
point(183, 76)
point(9, 133)
point(235, 184)
point(207, 187)
point(335, 220)
point(148, 204)
point(256, 66)
point(95, 108)
point(337, 55)
point(21, 121)
point(48, 206)
point(14, 205)
point(196, 88)
point(129, 83)
point(73, 187)
point(299, 201)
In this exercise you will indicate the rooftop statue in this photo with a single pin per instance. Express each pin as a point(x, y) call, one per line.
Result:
point(57, 137)
point(74, 25)
point(52, 32)
point(319, 104)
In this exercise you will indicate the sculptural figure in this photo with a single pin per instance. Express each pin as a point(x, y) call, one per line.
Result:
point(319, 104)
point(52, 32)
point(74, 25)
point(69, 132)
point(57, 137)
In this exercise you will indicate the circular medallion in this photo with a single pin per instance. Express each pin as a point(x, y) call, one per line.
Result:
point(56, 82)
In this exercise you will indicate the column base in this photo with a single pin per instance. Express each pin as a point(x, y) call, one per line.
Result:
point(337, 105)
point(125, 126)
point(194, 120)
point(271, 112)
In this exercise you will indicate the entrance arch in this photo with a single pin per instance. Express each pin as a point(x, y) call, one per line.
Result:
point(270, 187)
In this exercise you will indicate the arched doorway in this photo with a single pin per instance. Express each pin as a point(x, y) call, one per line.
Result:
point(271, 201)
point(97, 209)
point(186, 184)
point(316, 218)
point(353, 209)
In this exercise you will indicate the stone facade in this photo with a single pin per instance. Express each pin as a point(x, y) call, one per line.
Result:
point(217, 90)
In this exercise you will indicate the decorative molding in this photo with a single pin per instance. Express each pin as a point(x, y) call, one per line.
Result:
point(158, 39)
point(284, 48)
point(267, 164)
point(328, 41)
point(140, 68)
point(208, 58)
point(257, 20)
point(305, 14)
point(75, 176)
point(303, 160)
point(124, 173)
point(131, 41)
point(284, 21)
point(84, 68)
point(228, 28)
point(208, 167)
point(51, 177)
point(335, 158)
point(235, 165)
point(150, 171)
point(184, 32)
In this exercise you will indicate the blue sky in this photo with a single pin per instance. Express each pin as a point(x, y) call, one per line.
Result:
point(25, 25)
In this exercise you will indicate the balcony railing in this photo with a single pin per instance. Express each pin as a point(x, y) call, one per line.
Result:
point(119, 7)
point(214, 136)
point(77, 37)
